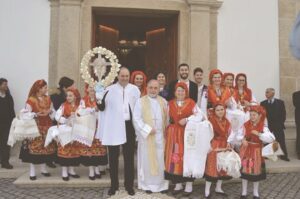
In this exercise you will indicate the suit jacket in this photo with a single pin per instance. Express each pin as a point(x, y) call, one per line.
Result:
point(193, 90)
point(296, 102)
point(276, 114)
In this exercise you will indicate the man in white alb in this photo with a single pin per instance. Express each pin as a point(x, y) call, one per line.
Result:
point(150, 117)
point(116, 129)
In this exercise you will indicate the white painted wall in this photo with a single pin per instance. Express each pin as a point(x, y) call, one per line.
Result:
point(248, 42)
point(24, 45)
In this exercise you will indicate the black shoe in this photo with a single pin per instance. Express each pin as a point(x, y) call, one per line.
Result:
point(207, 197)
point(243, 197)
point(32, 177)
point(98, 176)
point(164, 191)
point(111, 192)
point(51, 165)
point(74, 175)
point(92, 177)
point(46, 174)
point(131, 192)
point(221, 194)
point(66, 178)
point(7, 166)
point(102, 172)
point(186, 194)
point(176, 192)
point(256, 197)
point(285, 158)
point(149, 192)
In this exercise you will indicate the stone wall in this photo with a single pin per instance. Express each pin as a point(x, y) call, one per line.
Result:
point(289, 66)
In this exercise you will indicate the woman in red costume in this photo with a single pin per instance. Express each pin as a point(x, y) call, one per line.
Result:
point(180, 108)
point(38, 106)
point(68, 156)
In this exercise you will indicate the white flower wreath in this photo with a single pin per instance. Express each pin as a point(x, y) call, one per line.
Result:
point(99, 66)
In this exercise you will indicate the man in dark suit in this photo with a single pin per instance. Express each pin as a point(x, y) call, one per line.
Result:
point(276, 116)
point(296, 102)
point(183, 74)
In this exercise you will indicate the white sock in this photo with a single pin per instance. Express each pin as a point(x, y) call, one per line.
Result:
point(207, 188)
point(92, 172)
point(178, 187)
point(255, 189)
point(97, 171)
point(71, 171)
point(32, 170)
point(244, 187)
point(44, 168)
point(64, 171)
point(219, 186)
point(188, 187)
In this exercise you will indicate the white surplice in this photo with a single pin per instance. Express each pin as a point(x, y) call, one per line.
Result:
point(146, 181)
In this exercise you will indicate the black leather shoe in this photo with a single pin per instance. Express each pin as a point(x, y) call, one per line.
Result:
point(111, 192)
point(74, 175)
point(32, 177)
point(208, 197)
point(186, 194)
point(176, 192)
point(66, 178)
point(221, 194)
point(102, 172)
point(131, 192)
point(243, 197)
point(285, 158)
point(51, 165)
point(46, 174)
point(98, 176)
point(164, 191)
point(7, 166)
point(149, 192)
point(256, 197)
point(92, 177)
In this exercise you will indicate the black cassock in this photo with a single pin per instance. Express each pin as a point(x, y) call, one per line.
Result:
point(296, 102)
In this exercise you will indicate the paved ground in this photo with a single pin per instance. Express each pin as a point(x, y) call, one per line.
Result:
point(277, 186)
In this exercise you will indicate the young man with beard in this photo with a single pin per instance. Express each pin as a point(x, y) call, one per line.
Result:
point(183, 74)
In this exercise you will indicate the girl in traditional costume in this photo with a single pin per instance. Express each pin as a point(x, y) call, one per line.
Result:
point(180, 109)
point(242, 94)
point(217, 93)
point(95, 155)
point(139, 79)
point(39, 107)
point(68, 156)
point(253, 164)
point(221, 128)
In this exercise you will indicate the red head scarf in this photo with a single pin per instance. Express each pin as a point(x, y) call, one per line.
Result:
point(260, 110)
point(224, 77)
point(37, 85)
point(86, 98)
point(184, 86)
point(212, 73)
point(144, 85)
point(221, 128)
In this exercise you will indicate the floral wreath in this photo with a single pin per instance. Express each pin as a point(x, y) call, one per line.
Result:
point(99, 68)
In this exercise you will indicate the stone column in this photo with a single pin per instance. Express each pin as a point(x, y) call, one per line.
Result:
point(203, 33)
point(64, 40)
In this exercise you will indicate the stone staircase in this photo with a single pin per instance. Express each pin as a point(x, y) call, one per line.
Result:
point(20, 171)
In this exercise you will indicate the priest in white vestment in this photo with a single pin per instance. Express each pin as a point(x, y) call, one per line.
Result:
point(150, 117)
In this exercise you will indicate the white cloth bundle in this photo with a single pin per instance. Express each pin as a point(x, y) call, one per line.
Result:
point(84, 129)
point(61, 133)
point(22, 129)
point(230, 162)
point(268, 151)
point(197, 137)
